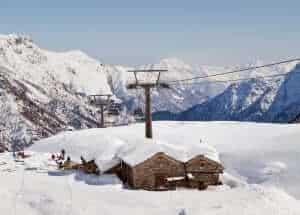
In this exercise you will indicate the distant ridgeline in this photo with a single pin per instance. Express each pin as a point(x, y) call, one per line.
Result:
point(193, 114)
point(205, 112)
point(295, 120)
point(188, 116)
point(276, 100)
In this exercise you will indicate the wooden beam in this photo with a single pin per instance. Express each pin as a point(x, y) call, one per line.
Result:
point(100, 95)
point(136, 80)
point(158, 78)
point(102, 116)
point(148, 70)
point(147, 88)
point(134, 86)
point(101, 101)
point(148, 116)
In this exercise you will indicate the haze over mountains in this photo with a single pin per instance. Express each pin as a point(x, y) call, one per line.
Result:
point(44, 92)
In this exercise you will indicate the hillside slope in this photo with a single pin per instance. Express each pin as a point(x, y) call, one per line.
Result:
point(45, 92)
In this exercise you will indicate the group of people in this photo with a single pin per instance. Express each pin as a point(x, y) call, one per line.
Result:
point(61, 160)
point(65, 163)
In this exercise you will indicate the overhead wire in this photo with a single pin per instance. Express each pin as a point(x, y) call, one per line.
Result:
point(234, 71)
point(235, 80)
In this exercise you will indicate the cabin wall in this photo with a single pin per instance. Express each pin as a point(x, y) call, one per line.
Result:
point(204, 171)
point(204, 165)
point(126, 174)
point(207, 178)
point(153, 173)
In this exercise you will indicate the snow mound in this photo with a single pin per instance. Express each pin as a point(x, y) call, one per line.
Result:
point(39, 162)
point(107, 149)
point(106, 179)
point(232, 181)
point(7, 163)
point(87, 143)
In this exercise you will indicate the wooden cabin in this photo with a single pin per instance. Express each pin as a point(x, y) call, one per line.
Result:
point(202, 172)
point(162, 172)
point(159, 166)
point(152, 173)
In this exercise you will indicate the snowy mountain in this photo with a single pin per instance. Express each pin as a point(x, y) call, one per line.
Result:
point(44, 92)
point(176, 99)
point(248, 100)
point(286, 105)
point(273, 100)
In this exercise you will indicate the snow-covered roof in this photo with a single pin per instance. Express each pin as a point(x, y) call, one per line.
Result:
point(134, 154)
point(87, 143)
point(111, 145)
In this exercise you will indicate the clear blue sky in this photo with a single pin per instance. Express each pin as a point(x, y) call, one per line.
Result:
point(133, 32)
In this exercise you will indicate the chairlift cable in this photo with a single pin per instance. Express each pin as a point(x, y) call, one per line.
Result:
point(266, 77)
point(235, 71)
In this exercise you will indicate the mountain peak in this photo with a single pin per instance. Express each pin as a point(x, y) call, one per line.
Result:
point(16, 39)
point(175, 63)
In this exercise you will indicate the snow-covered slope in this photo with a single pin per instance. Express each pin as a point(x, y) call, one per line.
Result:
point(261, 173)
point(44, 92)
point(73, 69)
point(249, 151)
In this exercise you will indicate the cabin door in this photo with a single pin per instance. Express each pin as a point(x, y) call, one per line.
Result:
point(161, 180)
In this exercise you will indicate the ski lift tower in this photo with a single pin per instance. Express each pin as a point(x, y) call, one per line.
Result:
point(101, 100)
point(147, 79)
